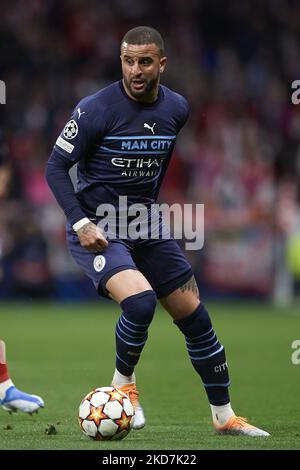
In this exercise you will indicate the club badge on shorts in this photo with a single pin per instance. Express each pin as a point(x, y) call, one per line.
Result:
point(71, 129)
point(99, 263)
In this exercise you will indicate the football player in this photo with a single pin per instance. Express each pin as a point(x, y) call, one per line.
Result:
point(122, 138)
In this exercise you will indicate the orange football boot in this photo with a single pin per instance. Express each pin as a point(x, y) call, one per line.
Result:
point(236, 425)
point(133, 395)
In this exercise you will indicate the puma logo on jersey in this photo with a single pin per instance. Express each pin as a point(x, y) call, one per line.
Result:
point(149, 127)
point(80, 113)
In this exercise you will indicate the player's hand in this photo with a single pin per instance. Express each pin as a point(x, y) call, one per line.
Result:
point(91, 237)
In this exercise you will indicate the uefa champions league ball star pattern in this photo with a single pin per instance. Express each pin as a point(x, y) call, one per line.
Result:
point(71, 129)
point(106, 414)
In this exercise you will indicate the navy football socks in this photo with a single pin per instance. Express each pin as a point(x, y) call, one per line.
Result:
point(132, 329)
point(207, 354)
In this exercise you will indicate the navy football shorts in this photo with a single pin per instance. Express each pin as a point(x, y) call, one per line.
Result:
point(161, 261)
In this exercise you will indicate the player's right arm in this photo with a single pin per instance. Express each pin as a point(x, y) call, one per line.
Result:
point(91, 237)
point(73, 144)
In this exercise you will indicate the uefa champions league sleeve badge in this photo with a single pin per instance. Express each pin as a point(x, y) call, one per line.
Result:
point(71, 129)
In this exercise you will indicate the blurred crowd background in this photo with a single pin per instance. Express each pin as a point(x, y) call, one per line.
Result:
point(239, 153)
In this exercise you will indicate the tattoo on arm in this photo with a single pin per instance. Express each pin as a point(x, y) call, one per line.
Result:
point(190, 285)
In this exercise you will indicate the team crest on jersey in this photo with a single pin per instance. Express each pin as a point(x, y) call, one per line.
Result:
point(71, 129)
point(99, 263)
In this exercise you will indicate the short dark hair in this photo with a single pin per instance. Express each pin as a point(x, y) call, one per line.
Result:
point(144, 35)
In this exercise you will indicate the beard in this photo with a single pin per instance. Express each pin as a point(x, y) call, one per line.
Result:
point(147, 90)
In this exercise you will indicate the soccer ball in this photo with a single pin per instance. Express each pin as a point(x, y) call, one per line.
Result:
point(106, 414)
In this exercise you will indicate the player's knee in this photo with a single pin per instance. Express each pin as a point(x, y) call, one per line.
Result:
point(140, 308)
point(199, 320)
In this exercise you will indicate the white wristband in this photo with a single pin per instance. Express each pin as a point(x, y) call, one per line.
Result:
point(80, 224)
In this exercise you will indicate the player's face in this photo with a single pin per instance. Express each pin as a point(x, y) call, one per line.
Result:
point(141, 67)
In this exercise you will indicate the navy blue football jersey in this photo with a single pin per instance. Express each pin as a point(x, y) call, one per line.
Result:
point(122, 147)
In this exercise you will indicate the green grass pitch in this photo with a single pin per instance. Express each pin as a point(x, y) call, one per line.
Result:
point(63, 351)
